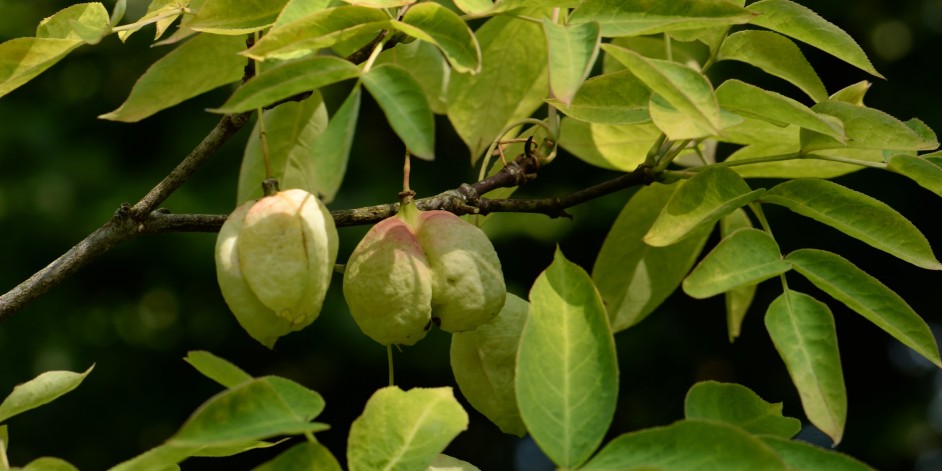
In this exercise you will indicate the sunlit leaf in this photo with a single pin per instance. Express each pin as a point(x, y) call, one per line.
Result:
point(304, 455)
point(805, 456)
point(740, 406)
point(427, 66)
point(193, 68)
point(853, 94)
point(404, 429)
point(297, 9)
point(746, 257)
point(88, 22)
point(40, 390)
point(160, 13)
point(320, 29)
point(704, 199)
point(447, 463)
point(511, 85)
point(48, 464)
point(634, 278)
point(869, 128)
point(331, 149)
point(776, 55)
point(381, 3)
point(641, 17)
point(613, 98)
point(857, 215)
point(217, 369)
point(236, 16)
point(611, 146)
point(803, 24)
point(739, 298)
point(22, 59)
point(117, 13)
point(405, 106)
point(440, 26)
point(288, 79)
point(572, 53)
point(803, 332)
point(867, 296)
point(922, 171)
point(749, 100)
point(567, 371)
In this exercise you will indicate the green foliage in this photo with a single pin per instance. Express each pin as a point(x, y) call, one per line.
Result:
point(548, 365)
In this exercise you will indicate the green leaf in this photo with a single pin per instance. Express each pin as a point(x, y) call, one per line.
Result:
point(381, 3)
point(427, 66)
point(320, 29)
point(857, 215)
point(739, 298)
point(740, 406)
point(166, 456)
point(404, 430)
point(922, 171)
point(288, 79)
point(678, 126)
point(474, 6)
point(807, 457)
point(162, 13)
point(613, 98)
point(22, 59)
point(440, 26)
point(799, 166)
point(801, 23)
point(405, 106)
point(869, 128)
point(297, 9)
point(749, 100)
point(235, 16)
point(776, 55)
point(682, 87)
point(48, 464)
point(803, 332)
point(117, 14)
point(643, 17)
point(195, 67)
point(567, 371)
point(217, 369)
point(572, 53)
point(291, 129)
point(687, 445)
point(484, 364)
point(40, 390)
point(632, 277)
point(700, 202)
point(853, 94)
point(331, 150)
point(746, 257)
point(87, 22)
point(305, 455)
point(511, 85)
point(865, 294)
point(447, 463)
point(611, 146)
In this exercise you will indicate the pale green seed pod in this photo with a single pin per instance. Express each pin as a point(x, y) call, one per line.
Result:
point(274, 260)
point(419, 268)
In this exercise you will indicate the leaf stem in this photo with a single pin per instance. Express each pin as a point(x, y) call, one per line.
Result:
point(847, 160)
point(389, 359)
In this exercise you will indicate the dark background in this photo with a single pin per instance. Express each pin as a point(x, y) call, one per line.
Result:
point(137, 311)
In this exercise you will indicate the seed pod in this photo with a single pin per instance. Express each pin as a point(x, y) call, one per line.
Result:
point(419, 268)
point(274, 259)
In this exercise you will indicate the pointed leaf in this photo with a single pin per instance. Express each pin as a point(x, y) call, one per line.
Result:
point(803, 332)
point(807, 457)
point(869, 128)
point(161, 13)
point(643, 17)
point(701, 201)
point(613, 98)
point(305, 455)
point(117, 14)
point(739, 298)
point(217, 369)
point(853, 94)
point(511, 85)
point(195, 67)
point(402, 430)
point(687, 445)
point(297, 9)
point(427, 66)
point(440, 26)
point(48, 464)
point(857, 215)
point(749, 100)
point(678, 126)
point(447, 463)
point(484, 364)
point(235, 16)
point(291, 129)
point(632, 277)
point(740, 406)
point(288, 79)
point(799, 22)
point(776, 55)
point(88, 22)
point(572, 53)
point(922, 171)
point(320, 29)
point(40, 390)
point(381, 3)
point(746, 257)
point(682, 87)
point(22, 59)
point(611, 146)
point(567, 371)
point(865, 294)
point(331, 150)
point(406, 108)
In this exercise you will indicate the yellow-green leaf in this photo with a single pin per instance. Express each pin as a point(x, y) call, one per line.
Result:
point(405, 106)
point(613, 98)
point(440, 26)
point(643, 17)
point(235, 16)
point(22, 59)
point(320, 29)
point(611, 146)
point(921, 170)
point(746, 257)
point(572, 53)
point(776, 55)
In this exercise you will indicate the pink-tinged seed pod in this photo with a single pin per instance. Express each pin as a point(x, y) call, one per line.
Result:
point(418, 268)
point(274, 260)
